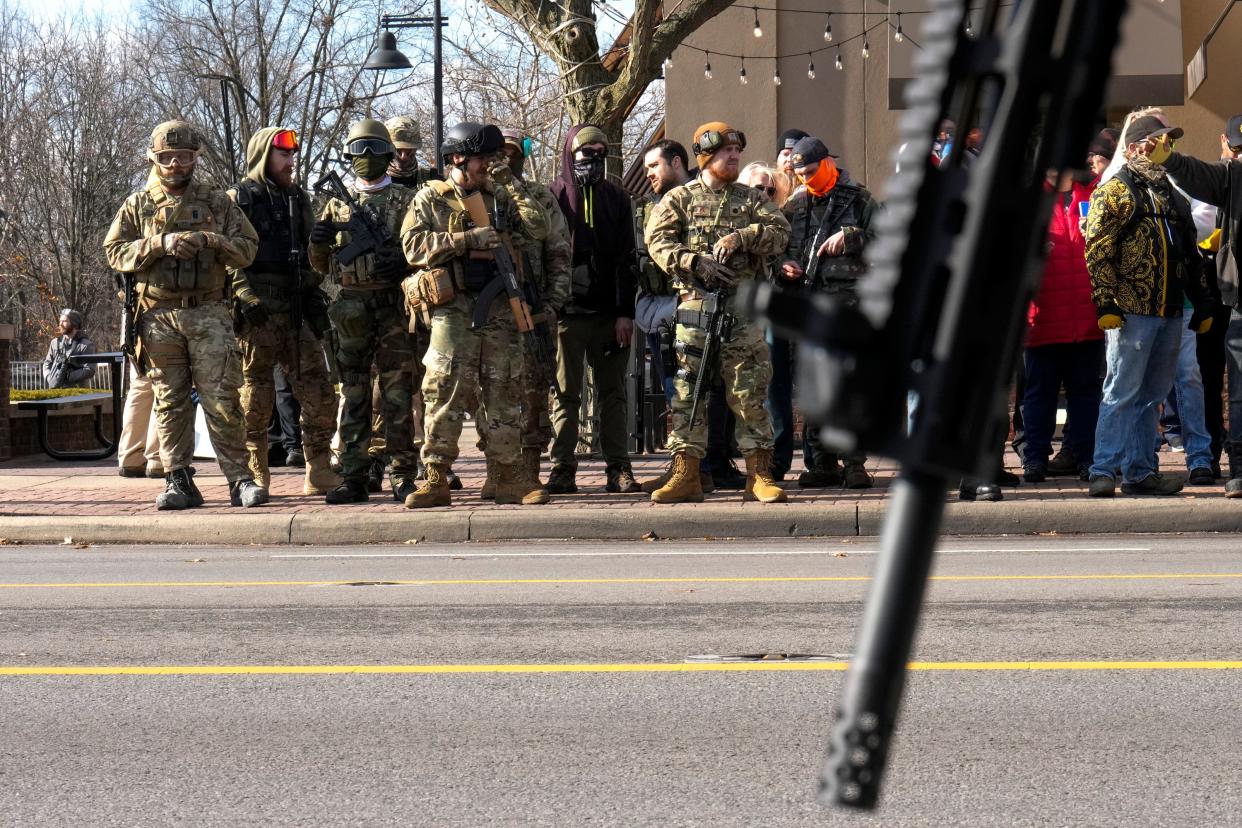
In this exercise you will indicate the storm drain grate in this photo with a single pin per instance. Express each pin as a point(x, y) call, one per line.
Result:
point(744, 657)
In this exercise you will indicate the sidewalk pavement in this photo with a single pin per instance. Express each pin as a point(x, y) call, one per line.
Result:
point(44, 501)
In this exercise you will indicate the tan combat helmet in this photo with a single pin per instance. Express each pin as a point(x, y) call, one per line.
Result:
point(404, 132)
point(173, 135)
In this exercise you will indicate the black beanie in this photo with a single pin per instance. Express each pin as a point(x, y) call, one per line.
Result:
point(788, 138)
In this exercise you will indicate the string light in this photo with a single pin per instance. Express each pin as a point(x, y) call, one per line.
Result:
point(758, 28)
point(828, 29)
point(839, 63)
point(776, 77)
point(810, 66)
point(866, 52)
point(741, 75)
point(898, 35)
point(970, 29)
point(707, 65)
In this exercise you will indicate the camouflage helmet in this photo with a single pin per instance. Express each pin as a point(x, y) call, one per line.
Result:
point(371, 135)
point(405, 132)
point(174, 135)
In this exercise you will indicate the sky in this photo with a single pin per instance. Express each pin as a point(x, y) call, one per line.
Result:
point(51, 9)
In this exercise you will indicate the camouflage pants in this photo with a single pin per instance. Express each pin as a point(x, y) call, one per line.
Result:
point(745, 369)
point(195, 348)
point(262, 349)
point(468, 369)
point(535, 420)
point(371, 327)
point(379, 448)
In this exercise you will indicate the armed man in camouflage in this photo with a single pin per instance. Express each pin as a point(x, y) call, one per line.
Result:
point(179, 236)
point(369, 316)
point(830, 219)
point(456, 258)
point(407, 142)
point(296, 310)
point(707, 235)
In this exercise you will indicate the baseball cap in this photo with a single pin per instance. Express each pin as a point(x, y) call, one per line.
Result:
point(1105, 143)
point(788, 138)
point(1149, 126)
point(809, 150)
point(1233, 131)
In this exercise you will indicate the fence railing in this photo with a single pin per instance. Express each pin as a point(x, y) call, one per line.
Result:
point(28, 376)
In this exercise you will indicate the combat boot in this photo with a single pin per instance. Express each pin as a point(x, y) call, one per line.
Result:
point(402, 486)
point(454, 482)
point(375, 475)
point(825, 472)
point(561, 480)
point(1233, 487)
point(488, 492)
point(353, 490)
point(683, 482)
point(759, 482)
point(196, 497)
point(530, 457)
point(247, 493)
point(514, 485)
point(855, 476)
point(320, 479)
point(620, 478)
point(258, 465)
point(660, 482)
point(725, 474)
point(433, 489)
point(177, 492)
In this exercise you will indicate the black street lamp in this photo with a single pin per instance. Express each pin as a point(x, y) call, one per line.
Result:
point(387, 56)
point(225, 82)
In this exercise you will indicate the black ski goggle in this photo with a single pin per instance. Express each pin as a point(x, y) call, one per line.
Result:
point(375, 146)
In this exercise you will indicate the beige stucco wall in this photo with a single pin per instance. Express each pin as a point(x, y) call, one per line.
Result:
point(1220, 97)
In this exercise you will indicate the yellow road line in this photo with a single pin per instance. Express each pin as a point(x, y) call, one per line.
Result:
point(727, 667)
point(1153, 576)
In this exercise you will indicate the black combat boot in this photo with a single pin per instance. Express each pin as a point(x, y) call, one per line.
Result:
point(179, 492)
point(825, 472)
point(375, 475)
point(1233, 486)
point(247, 493)
point(562, 480)
point(350, 491)
point(402, 487)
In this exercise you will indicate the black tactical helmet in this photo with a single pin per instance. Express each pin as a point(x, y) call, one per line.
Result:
point(471, 138)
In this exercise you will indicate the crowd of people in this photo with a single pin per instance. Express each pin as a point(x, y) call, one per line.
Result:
point(381, 315)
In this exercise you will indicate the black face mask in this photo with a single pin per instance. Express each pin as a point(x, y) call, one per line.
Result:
point(589, 171)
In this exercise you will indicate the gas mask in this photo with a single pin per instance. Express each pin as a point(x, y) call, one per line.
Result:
point(370, 167)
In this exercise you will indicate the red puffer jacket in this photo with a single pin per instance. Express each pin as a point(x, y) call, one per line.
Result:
point(1063, 310)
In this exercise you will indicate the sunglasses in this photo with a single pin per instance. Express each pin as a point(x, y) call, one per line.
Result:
point(286, 139)
point(375, 146)
point(587, 154)
point(169, 157)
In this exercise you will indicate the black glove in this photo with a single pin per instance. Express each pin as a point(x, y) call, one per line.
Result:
point(323, 232)
point(713, 274)
point(390, 265)
point(255, 315)
point(315, 312)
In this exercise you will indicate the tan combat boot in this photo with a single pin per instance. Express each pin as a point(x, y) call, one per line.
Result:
point(488, 492)
point(683, 484)
point(514, 484)
point(433, 490)
point(257, 463)
point(530, 458)
point(320, 479)
point(760, 485)
point(706, 484)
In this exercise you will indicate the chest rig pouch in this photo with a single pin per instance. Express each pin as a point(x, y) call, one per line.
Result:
point(476, 268)
point(198, 275)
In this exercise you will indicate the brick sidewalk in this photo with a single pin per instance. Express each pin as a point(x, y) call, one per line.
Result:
point(41, 486)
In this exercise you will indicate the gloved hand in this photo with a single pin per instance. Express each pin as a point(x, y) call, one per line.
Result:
point(726, 246)
point(501, 172)
point(254, 314)
point(1212, 242)
point(390, 265)
point(1110, 321)
point(1159, 149)
point(323, 232)
point(481, 238)
point(712, 273)
point(1200, 323)
point(185, 245)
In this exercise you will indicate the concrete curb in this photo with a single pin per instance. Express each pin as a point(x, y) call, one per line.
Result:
point(1210, 513)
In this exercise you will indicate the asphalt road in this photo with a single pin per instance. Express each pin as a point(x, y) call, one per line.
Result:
point(550, 684)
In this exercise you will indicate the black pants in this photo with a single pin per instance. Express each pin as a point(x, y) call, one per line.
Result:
point(1210, 350)
point(284, 434)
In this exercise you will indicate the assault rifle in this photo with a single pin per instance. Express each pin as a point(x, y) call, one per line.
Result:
point(718, 329)
point(369, 233)
point(296, 307)
point(129, 318)
point(957, 256)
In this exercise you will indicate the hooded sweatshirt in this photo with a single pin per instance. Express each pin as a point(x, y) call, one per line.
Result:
point(601, 228)
point(267, 207)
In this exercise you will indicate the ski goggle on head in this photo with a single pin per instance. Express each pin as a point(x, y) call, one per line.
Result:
point(375, 146)
point(286, 139)
point(712, 140)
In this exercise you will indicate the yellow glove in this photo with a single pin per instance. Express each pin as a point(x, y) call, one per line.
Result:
point(1204, 326)
point(1110, 321)
point(1212, 242)
point(1160, 150)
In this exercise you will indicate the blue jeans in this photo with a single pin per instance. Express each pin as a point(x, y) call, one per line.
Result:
point(1142, 360)
point(780, 404)
point(1188, 394)
point(1077, 365)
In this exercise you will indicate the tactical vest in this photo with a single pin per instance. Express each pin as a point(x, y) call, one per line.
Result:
point(651, 280)
point(815, 220)
point(470, 274)
point(712, 216)
point(200, 209)
point(391, 204)
point(269, 214)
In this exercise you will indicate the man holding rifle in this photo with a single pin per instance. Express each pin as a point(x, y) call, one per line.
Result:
point(707, 235)
point(356, 242)
point(294, 314)
point(456, 236)
point(830, 224)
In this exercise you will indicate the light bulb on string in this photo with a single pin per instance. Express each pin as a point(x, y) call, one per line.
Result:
point(758, 28)
point(828, 29)
point(707, 65)
point(899, 35)
point(810, 66)
point(776, 77)
point(866, 50)
point(970, 28)
point(741, 75)
point(839, 63)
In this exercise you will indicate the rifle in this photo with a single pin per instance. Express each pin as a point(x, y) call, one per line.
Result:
point(129, 318)
point(295, 275)
point(957, 257)
point(541, 346)
point(719, 328)
point(368, 231)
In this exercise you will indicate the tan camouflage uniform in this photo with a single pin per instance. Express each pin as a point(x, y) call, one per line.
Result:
point(469, 368)
point(689, 220)
point(371, 326)
point(186, 332)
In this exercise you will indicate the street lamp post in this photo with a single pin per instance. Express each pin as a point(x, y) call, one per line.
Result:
point(387, 56)
point(225, 82)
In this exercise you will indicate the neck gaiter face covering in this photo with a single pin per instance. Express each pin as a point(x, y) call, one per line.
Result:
point(370, 167)
point(588, 171)
point(823, 179)
point(402, 170)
